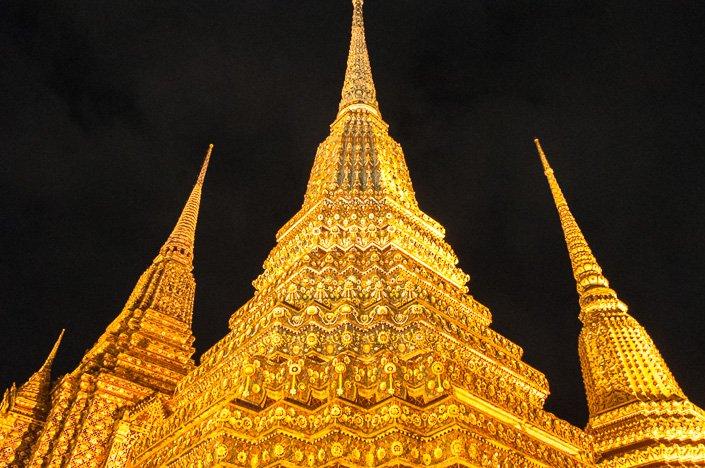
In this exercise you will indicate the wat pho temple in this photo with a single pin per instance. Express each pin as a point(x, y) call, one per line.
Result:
point(361, 346)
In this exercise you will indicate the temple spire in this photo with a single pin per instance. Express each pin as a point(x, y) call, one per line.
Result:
point(33, 395)
point(590, 282)
point(619, 360)
point(143, 353)
point(52, 354)
point(638, 414)
point(23, 412)
point(358, 88)
point(180, 243)
point(43, 375)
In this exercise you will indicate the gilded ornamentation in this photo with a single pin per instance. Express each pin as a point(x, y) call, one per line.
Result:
point(143, 354)
point(24, 411)
point(636, 407)
point(361, 346)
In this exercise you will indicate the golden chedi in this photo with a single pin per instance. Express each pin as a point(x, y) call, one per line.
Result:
point(143, 354)
point(23, 412)
point(639, 416)
point(360, 347)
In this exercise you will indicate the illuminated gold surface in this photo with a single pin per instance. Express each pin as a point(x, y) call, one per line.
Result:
point(143, 353)
point(638, 414)
point(360, 347)
point(23, 412)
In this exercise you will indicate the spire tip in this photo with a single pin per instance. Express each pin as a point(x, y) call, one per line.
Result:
point(542, 155)
point(204, 166)
point(358, 87)
point(181, 240)
point(52, 354)
point(586, 270)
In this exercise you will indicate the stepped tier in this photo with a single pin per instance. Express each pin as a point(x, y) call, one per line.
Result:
point(361, 345)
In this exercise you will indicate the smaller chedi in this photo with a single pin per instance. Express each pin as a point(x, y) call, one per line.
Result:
point(23, 412)
point(142, 354)
point(361, 346)
point(639, 416)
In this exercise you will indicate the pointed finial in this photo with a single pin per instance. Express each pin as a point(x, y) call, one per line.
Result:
point(204, 166)
point(592, 286)
point(32, 397)
point(180, 243)
point(542, 155)
point(52, 354)
point(358, 88)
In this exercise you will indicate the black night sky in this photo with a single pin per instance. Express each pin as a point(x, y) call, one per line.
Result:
point(106, 109)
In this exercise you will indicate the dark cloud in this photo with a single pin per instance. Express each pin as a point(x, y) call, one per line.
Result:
point(107, 108)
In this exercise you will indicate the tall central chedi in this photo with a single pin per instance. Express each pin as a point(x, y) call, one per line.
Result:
point(361, 345)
